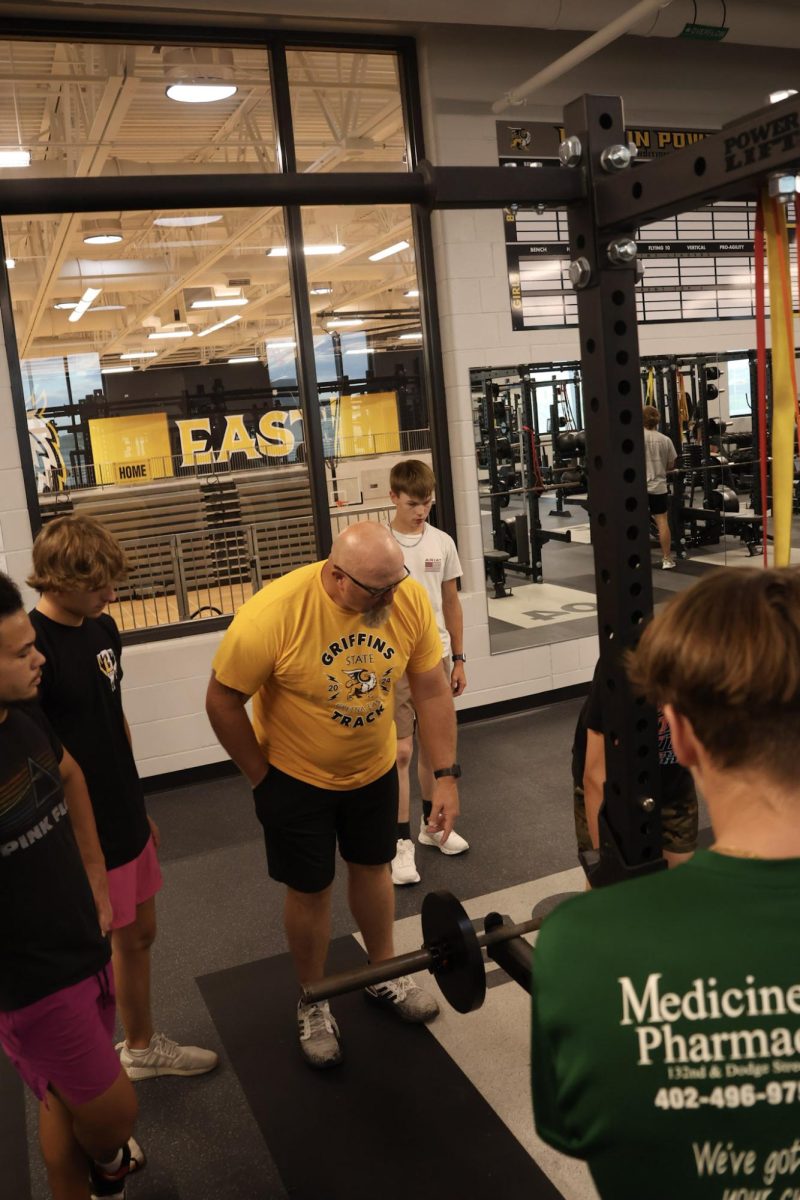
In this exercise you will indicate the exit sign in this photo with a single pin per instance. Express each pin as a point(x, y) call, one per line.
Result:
point(704, 33)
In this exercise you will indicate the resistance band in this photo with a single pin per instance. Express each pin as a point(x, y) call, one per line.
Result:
point(784, 387)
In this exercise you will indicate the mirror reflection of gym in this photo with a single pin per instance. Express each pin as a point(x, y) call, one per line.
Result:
point(531, 466)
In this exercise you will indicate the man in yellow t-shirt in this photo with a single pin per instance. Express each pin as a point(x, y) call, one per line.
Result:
point(320, 651)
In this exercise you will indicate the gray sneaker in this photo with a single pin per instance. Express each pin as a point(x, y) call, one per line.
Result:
point(406, 998)
point(165, 1057)
point(319, 1034)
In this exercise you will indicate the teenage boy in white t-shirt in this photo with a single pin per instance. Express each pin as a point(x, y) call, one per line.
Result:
point(432, 559)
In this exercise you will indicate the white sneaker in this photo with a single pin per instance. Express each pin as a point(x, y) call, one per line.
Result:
point(668, 564)
point(405, 998)
point(455, 844)
point(404, 869)
point(165, 1057)
point(319, 1034)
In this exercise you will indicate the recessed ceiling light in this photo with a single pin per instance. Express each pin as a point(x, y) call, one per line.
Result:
point(320, 291)
point(339, 321)
point(116, 370)
point(327, 248)
point(140, 354)
point(85, 301)
point(242, 358)
point(102, 239)
point(63, 304)
point(395, 249)
point(410, 337)
point(201, 93)
point(186, 222)
point(219, 325)
point(221, 302)
point(15, 158)
point(163, 334)
point(412, 294)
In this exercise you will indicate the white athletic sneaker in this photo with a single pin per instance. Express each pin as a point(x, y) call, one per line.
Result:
point(455, 844)
point(405, 998)
point(319, 1034)
point(668, 564)
point(165, 1057)
point(404, 869)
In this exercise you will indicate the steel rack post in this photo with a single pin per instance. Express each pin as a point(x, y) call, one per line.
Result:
point(630, 825)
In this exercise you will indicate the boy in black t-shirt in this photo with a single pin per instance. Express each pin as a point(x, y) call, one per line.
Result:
point(56, 987)
point(76, 564)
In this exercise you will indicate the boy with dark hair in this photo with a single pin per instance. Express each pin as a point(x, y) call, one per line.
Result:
point(56, 986)
point(666, 1010)
point(432, 559)
point(76, 565)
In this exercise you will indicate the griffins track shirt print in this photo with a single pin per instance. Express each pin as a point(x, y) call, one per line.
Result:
point(322, 681)
point(666, 1032)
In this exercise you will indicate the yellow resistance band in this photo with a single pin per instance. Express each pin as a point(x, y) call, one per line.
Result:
point(783, 378)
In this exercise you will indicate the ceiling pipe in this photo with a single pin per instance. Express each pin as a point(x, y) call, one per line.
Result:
point(609, 33)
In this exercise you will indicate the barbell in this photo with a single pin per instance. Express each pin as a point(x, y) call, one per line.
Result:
point(451, 951)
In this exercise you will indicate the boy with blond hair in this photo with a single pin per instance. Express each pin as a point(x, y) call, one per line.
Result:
point(76, 566)
point(432, 559)
point(666, 1010)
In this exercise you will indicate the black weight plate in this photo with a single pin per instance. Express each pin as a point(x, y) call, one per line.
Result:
point(458, 962)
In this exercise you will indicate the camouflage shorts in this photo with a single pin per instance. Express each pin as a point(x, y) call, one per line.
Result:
point(678, 822)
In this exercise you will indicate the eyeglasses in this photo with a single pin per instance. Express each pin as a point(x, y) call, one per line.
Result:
point(373, 591)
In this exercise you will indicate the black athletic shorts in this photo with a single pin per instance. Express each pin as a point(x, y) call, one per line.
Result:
point(302, 824)
point(658, 503)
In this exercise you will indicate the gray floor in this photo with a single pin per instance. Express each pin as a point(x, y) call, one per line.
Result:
point(218, 909)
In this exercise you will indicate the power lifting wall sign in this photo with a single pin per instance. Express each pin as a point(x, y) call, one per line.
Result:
point(698, 265)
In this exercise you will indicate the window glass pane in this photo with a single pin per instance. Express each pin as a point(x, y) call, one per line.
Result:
point(160, 383)
point(346, 111)
point(364, 298)
point(89, 110)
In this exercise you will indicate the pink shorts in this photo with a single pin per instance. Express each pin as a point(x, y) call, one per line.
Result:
point(132, 884)
point(66, 1039)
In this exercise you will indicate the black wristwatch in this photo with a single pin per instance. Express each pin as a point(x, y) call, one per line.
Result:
point(455, 771)
point(459, 657)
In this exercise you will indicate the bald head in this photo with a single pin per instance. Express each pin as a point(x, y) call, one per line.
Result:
point(368, 551)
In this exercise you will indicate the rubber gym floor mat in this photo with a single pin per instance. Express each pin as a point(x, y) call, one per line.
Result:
point(397, 1116)
point(14, 1168)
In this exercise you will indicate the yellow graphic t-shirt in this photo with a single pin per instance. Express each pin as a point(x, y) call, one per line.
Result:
point(322, 682)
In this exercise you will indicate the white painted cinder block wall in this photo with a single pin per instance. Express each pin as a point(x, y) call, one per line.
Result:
point(462, 71)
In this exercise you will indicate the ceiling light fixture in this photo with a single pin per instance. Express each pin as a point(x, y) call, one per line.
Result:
point(322, 248)
point(281, 345)
point(109, 308)
point(15, 158)
point(782, 94)
point(140, 354)
point(116, 370)
point(199, 75)
point(362, 350)
point(395, 249)
point(412, 295)
point(102, 239)
point(83, 304)
point(11, 263)
point(64, 304)
point(219, 325)
point(163, 334)
point(186, 222)
point(320, 291)
point(221, 302)
point(410, 337)
point(244, 358)
point(341, 321)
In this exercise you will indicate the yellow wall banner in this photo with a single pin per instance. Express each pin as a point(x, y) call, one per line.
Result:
point(366, 424)
point(274, 438)
point(131, 449)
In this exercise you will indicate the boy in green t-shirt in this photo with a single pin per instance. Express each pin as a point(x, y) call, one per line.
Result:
point(666, 1012)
